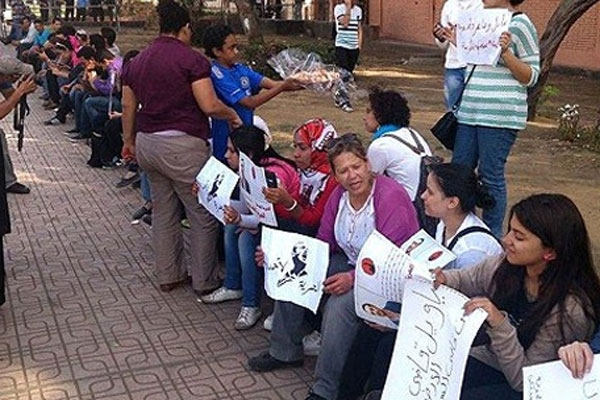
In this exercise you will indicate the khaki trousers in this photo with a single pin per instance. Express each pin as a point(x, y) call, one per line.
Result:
point(172, 163)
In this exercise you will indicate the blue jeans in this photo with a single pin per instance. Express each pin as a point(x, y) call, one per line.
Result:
point(487, 149)
point(77, 99)
point(454, 82)
point(145, 186)
point(241, 271)
point(95, 113)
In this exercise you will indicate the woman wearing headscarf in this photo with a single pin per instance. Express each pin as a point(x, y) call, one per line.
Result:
point(316, 183)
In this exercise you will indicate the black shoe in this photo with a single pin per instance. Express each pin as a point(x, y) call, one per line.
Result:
point(313, 396)
point(147, 219)
point(266, 362)
point(141, 212)
point(71, 131)
point(374, 395)
point(18, 188)
point(54, 121)
point(78, 137)
point(127, 181)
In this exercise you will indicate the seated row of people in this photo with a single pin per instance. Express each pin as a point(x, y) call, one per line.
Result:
point(519, 289)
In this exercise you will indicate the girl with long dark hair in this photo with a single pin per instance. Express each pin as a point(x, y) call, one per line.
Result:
point(542, 295)
point(243, 280)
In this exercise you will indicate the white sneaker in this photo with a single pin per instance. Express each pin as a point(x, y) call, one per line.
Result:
point(268, 323)
point(312, 344)
point(347, 108)
point(248, 317)
point(221, 294)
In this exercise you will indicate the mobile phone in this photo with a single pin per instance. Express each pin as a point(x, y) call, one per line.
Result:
point(271, 179)
point(441, 39)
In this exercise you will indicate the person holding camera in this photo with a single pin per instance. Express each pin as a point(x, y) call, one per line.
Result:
point(9, 72)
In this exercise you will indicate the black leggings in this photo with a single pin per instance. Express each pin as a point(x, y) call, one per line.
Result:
point(346, 59)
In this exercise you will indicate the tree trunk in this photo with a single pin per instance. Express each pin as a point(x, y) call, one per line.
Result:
point(250, 21)
point(563, 18)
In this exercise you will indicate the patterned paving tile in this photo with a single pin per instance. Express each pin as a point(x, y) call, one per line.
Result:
point(84, 319)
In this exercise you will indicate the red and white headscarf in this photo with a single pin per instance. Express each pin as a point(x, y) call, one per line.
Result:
point(316, 133)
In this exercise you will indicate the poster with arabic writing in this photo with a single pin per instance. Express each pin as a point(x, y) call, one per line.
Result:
point(552, 381)
point(295, 267)
point(478, 35)
point(252, 182)
point(215, 183)
point(382, 270)
point(432, 345)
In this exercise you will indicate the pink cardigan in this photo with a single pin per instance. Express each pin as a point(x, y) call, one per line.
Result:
point(395, 215)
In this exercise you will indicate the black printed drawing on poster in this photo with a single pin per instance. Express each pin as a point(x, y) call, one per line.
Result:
point(295, 267)
point(550, 381)
point(253, 180)
point(215, 183)
point(382, 270)
point(433, 343)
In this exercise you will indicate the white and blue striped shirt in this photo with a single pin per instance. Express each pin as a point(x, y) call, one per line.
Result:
point(347, 37)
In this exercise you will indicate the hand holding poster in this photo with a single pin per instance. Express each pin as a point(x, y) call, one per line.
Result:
point(551, 381)
point(432, 344)
point(252, 182)
point(478, 34)
point(382, 270)
point(295, 267)
point(215, 183)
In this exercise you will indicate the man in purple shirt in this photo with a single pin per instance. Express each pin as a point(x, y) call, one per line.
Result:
point(167, 97)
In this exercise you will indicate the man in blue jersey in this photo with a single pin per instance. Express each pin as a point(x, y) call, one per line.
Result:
point(236, 84)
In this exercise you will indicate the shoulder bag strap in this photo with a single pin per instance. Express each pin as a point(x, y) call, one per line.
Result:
point(465, 232)
point(417, 150)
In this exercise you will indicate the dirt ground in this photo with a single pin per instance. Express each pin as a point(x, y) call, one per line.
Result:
point(538, 163)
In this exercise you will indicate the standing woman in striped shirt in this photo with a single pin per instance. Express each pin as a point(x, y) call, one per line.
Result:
point(494, 108)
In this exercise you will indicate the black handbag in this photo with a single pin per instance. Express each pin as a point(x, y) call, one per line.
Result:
point(445, 129)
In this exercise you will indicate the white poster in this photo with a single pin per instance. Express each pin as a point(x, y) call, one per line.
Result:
point(432, 345)
point(252, 182)
point(382, 270)
point(478, 35)
point(552, 381)
point(295, 267)
point(215, 182)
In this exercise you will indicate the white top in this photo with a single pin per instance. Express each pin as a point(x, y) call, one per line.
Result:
point(347, 37)
point(450, 13)
point(30, 37)
point(472, 248)
point(353, 227)
point(395, 159)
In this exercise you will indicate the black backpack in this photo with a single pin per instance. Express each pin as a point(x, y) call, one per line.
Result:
point(106, 145)
point(427, 223)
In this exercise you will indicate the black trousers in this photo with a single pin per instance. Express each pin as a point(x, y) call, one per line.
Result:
point(368, 363)
point(484, 382)
point(53, 89)
point(346, 59)
point(2, 272)
point(70, 10)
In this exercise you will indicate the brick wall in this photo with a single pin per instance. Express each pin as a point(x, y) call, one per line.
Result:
point(412, 21)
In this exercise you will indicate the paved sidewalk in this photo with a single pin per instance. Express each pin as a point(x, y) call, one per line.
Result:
point(84, 318)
